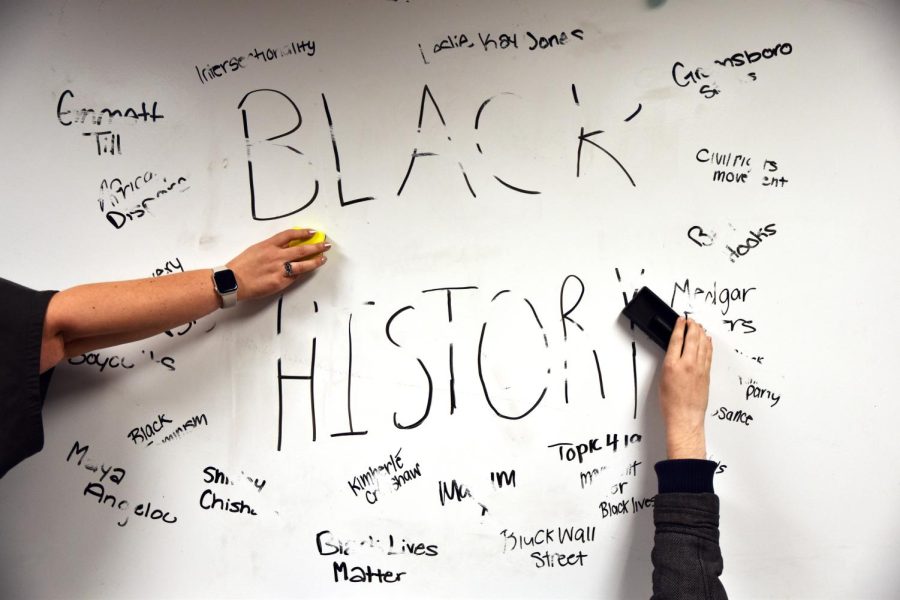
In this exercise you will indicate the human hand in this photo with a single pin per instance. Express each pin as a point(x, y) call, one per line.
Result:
point(260, 269)
point(684, 390)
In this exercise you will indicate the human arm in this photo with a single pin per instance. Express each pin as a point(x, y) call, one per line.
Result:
point(98, 315)
point(686, 557)
point(684, 390)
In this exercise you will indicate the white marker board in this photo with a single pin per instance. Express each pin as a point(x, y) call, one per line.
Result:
point(548, 180)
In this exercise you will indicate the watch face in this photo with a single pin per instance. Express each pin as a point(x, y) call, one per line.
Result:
point(225, 281)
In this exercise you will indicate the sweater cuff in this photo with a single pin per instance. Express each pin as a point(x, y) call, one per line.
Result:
point(688, 475)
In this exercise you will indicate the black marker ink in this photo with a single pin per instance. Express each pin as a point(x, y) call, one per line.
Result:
point(387, 326)
point(563, 312)
point(452, 383)
point(427, 403)
point(599, 375)
point(349, 382)
point(312, 394)
point(478, 146)
point(487, 395)
point(585, 137)
point(253, 200)
point(278, 319)
point(387, 332)
point(635, 113)
point(337, 161)
point(449, 302)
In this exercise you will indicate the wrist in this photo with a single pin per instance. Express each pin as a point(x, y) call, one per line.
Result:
point(243, 292)
point(226, 285)
point(686, 444)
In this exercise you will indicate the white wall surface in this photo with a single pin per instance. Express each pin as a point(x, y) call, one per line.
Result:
point(808, 487)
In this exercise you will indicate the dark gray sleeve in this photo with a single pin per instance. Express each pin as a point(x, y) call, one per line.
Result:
point(687, 561)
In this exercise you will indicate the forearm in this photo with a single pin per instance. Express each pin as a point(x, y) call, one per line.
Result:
point(94, 316)
point(122, 311)
point(89, 344)
point(684, 390)
point(686, 439)
point(687, 561)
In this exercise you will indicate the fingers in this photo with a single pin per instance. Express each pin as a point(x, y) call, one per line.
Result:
point(270, 266)
point(299, 259)
point(304, 266)
point(676, 341)
point(692, 339)
point(704, 350)
point(709, 354)
point(304, 251)
point(287, 236)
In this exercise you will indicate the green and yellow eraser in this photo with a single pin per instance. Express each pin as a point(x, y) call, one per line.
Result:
point(317, 238)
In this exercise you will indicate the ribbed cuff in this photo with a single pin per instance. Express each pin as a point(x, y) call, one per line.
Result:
point(689, 475)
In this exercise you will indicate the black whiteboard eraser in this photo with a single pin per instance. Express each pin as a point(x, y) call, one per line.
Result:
point(652, 316)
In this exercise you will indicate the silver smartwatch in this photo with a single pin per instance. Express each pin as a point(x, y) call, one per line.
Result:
point(226, 286)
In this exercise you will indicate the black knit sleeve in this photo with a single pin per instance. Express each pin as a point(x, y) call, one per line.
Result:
point(22, 387)
point(687, 560)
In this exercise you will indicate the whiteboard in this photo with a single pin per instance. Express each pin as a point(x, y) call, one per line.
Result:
point(452, 407)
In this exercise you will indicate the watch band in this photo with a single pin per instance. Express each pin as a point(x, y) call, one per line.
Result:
point(225, 284)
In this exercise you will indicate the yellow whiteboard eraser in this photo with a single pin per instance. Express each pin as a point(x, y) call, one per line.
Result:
point(316, 238)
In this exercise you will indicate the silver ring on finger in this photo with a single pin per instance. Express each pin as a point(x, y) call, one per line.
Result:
point(288, 270)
